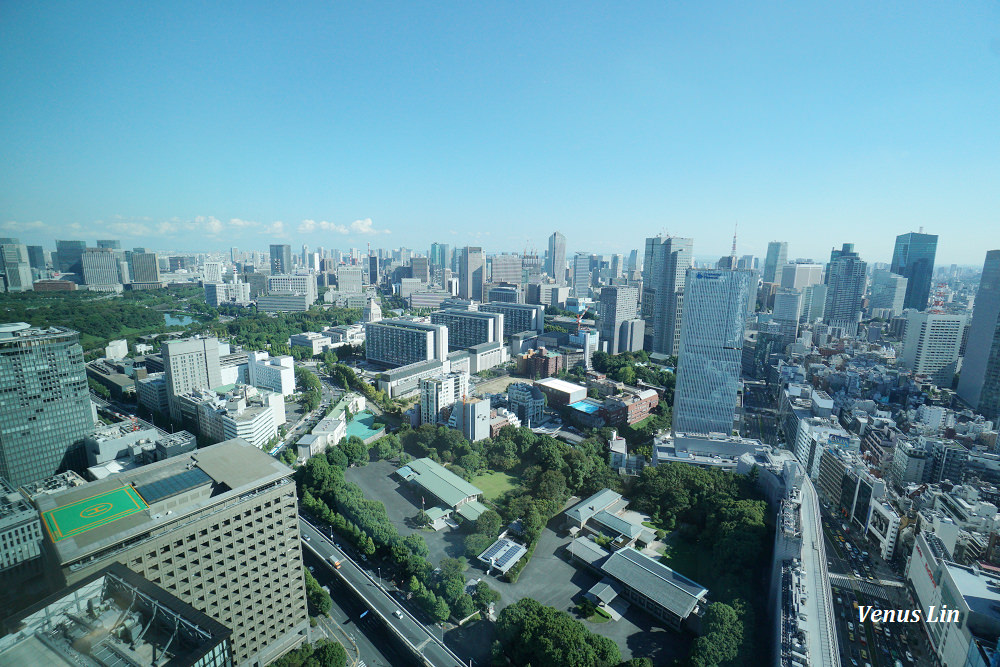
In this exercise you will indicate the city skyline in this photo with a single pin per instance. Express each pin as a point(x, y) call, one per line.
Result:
point(344, 125)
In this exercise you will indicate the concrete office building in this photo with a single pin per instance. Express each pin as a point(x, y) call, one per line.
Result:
point(618, 305)
point(144, 268)
point(517, 317)
point(775, 260)
point(786, 313)
point(440, 255)
point(349, 279)
point(580, 285)
point(192, 363)
point(555, 263)
point(931, 344)
point(440, 392)
point(284, 302)
point(664, 271)
point(979, 384)
point(298, 284)
point(845, 281)
point(274, 373)
point(420, 269)
point(36, 257)
point(710, 358)
point(211, 272)
point(20, 528)
point(469, 327)
point(218, 528)
point(506, 269)
point(913, 258)
point(311, 340)
point(471, 273)
point(281, 258)
point(888, 292)
point(401, 341)
point(801, 275)
point(45, 411)
point(111, 244)
point(15, 269)
point(218, 294)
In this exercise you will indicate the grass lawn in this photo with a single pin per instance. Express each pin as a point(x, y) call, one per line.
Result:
point(689, 560)
point(494, 484)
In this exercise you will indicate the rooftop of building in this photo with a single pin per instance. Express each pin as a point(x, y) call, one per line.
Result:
point(560, 385)
point(97, 515)
point(13, 506)
point(406, 323)
point(655, 580)
point(15, 330)
point(114, 617)
point(980, 590)
point(586, 509)
point(438, 480)
point(416, 368)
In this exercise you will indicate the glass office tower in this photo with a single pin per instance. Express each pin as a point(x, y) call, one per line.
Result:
point(45, 409)
point(711, 350)
point(913, 258)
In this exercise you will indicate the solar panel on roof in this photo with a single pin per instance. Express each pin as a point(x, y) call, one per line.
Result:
point(173, 485)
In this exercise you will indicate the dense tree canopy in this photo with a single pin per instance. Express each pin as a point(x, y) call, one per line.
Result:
point(532, 633)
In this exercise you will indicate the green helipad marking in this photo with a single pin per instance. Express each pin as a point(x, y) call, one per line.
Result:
point(90, 513)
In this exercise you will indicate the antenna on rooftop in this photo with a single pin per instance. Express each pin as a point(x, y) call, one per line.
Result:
point(732, 254)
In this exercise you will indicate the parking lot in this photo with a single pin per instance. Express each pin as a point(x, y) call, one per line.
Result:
point(861, 578)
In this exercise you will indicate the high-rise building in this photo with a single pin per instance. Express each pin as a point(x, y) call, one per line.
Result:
point(979, 384)
point(469, 327)
point(931, 343)
point(581, 275)
point(191, 363)
point(617, 266)
point(556, 261)
point(144, 267)
point(471, 273)
point(374, 278)
point(888, 292)
point(440, 255)
point(281, 258)
point(45, 411)
point(845, 281)
point(110, 244)
point(296, 284)
point(517, 317)
point(801, 275)
point(36, 257)
point(664, 271)
point(775, 260)
point(69, 257)
point(349, 279)
point(913, 258)
point(15, 270)
point(633, 261)
point(440, 392)
point(618, 305)
point(400, 341)
point(100, 267)
point(506, 269)
point(711, 348)
point(786, 313)
point(212, 272)
point(420, 269)
point(217, 527)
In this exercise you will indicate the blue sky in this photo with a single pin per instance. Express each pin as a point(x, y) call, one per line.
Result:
point(204, 125)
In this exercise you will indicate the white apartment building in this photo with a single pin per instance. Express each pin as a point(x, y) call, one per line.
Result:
point(440, 392)
point(316, 342)
point(274, 373)
point(297, 284)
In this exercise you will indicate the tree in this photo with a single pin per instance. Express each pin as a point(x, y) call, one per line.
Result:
point(355, 450)
point(533, 633)
point(464, 607)
point(318, 599)
point(484, 596)
point(489, 523)
point(476, 544)
point(98, 388)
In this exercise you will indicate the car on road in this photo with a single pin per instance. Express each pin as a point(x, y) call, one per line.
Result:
point(397, 614)
point(850, 625)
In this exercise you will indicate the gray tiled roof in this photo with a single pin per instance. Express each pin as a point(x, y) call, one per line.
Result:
point(656, 581)
point(586, 509)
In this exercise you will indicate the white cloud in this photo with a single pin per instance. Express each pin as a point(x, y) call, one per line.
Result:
point(365, 227)
point(17, 226)
point(237, 222)
point(276, 228)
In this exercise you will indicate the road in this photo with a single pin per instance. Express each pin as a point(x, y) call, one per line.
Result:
point(379, 601)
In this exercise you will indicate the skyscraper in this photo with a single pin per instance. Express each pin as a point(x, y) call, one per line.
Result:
point(110, 244)
point(556, 266)
point(192, 363)
point(36, 257)
point(440, 255)
point(281, 258)
point(777, 257)
point(45, 411)
point(664, 270)
point(913, 258)
point(471, 270)
point(618, 305)
point(979, 383)
point(144, 267)
point(100, 267)
point(15, 270)
point(69, 257)
point(845, 281)
point(931, 344)
point(711, 350)
point(581, 275)
point(800, 275)
point(373, 273)
point(786, 313)
point(888, 292)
